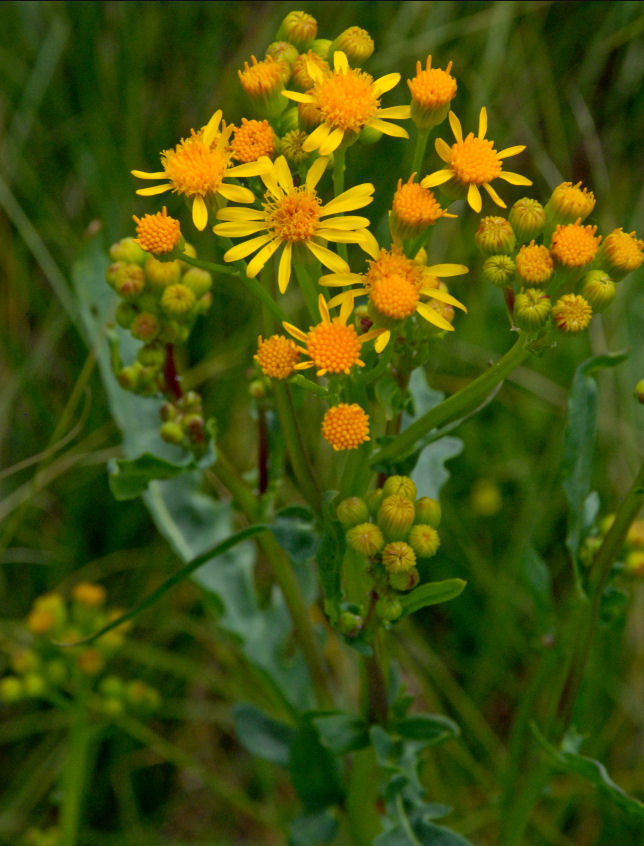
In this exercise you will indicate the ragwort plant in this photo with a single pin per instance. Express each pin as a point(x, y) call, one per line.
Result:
point(344, 413)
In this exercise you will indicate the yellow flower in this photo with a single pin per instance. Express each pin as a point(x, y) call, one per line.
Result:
point(432, 90)
point(572, 313)
point(252, 140)
point(197, 168)
point(621, 253)
point(473, 161)
point(395, 286)
point(574, 245)
point(263, 83)
point(414, 208)
point(333, 346)
point(277, 356)
point(157, 233)
point(293, 216)
point(345, 426)
point(569, 203)
point(534, 264)
point(348, 100)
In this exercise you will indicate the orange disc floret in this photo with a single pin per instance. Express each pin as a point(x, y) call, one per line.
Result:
point(394, 296)
point(621, 253)
point(195, 168)
point(432, 88)
point(345, 426)
point(261, 78)
point(334, 347)
point(569, 202)
point(414, 208)
point(574, 245)
point(572, 313)
point(157, 233)
point(254, 138)
point(474, 160)
point(295, 216)
point(534, 264)
point(346, 100)
point(394, 263)
point(277, 356)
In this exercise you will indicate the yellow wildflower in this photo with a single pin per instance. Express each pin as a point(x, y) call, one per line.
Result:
point(157, 233)
point(277, 356)
point(345, 426)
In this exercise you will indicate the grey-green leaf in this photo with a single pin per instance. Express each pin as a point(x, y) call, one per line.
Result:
point(431, 593)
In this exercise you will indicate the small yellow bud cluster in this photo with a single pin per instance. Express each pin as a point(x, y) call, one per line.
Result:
point(571, 256)
point(393, 530)
point(43, 669)
point(183, 423)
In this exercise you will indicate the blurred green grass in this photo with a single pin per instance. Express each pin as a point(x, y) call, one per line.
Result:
point(91, 90)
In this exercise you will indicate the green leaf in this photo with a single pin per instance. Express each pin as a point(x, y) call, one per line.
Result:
point(295, 531)
point(420, 834)
point(263, 736)
point(431, 593)
point(314, 770)
point(389, 395)
point(432, 729)
point(430, 473)
point(129, 478)
point(342, 733)
point(313, 830)
point(593, 771)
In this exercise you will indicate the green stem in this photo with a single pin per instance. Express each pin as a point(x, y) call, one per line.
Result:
point(422, 137)
point(295, 444)
point(284, 576)
point(309, 291)
point(362, 798)
point(456, 406)
point(74, 775)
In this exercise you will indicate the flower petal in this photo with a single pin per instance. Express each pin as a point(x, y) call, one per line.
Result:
point(447, 269)
point(474, 198)
point(351, 221)
point(141, 174)
point(340, 62)
point(348, 296)
point(284, 272)
point(443, 149)
point(443, 296)
point(323, 309)
point(294, 331)
point(239, 228)
point(153, 189)
point(236, 193)
point(511, 151)
point(483, 122)
point(436, 178)
point(250, 168)
point(314, 71)
point(258, 261)
point(338, 280)
point(340, 236)
point(383, 340)
point(199, 213)
point(432, 316)
point(400, 112)
point(494, 195)
point(370, 245)
point(328, 258)
point(388, 128)
point(210, 129)
point(514, 178)
point(319, 134)
point(385, 83)
point(330, 143)
point(240, 251)
point(345, 310)
point(455, 123)
point(283, 173)
point(353, 198)
point(315, 173)
point(237, 213)
point(298, 97)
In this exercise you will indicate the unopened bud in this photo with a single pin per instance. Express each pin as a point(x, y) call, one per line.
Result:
point(198, 280)
point(125, 314)
point(598, 289)
point(298, 28)
point(366, 539)
point(283, 51)
point(428, 510)
point(145, 326)
point(402, 485)
point(11, 689)
point(398, 557)
point(34, 685)
point(160, 274)
point(396, 516)
point(352, 511)
point(111, 686)
point(355, 43)
point(527, 218)
point(178, 301)
point(389, 608)
point(350, 624)
point(89, 594)
point(90, 661)
point(639, 391)
point(127, 250)
point(369, 135)
point(129, 281)
point(404, 579)
point(494, 236)
point(321, 47)
point(172, 432)
point(152, 355)
point(424, 540)
point(56, 671)
point(532, 308)
point(499, 270)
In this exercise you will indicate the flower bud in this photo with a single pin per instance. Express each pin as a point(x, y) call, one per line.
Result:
point(24, 661)
point(129, 281)
point(374, 499)
point(48, 613)
point(198, 280)
point(125, 314)
point(263, 83)
point(145, 326)
point(639, 391)
point(396, 516)
point(527, 218)
point(283, 51)
point(355, 43)
point(366, 539)
point(160, 274)
point(172, 432)
point(174, 333)
point(428, 511)
point(402, 485)
point(298, 28)
point(11, 689)
point(178, 301)
point(352, 511)
point(599, 289)
point(432, 91)
point(531, 309)
point(290, 146)
point(620, 254)
point(321, 47)
point(127, 251)
point(572, 313)
point(152, 355)
point(112, 707)
point(499, 270)
point(494, 236)
point(398, 557)
point(569, 203)
point(301, 79)
point(424, 540)
point(404, 579)
point(389, 608)
point(350, 624)
point(56, 671)
point(34, 685)
point(534, 264)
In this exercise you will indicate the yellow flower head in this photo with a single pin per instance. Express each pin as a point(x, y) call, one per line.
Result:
point(534, 264)
point(414, 208)
point(157, 233)
point(277, 356)
point(197, 167)
point(473, 161)
point(569, 203)
point(348, 100)
point(432, 90)
point(572, 313)
point(574, 245)
point(396, 286)
point(621, 253)
point(295, 216)
point(261, 79)
point(252, 140)
point(345, 426)
point(333, 346)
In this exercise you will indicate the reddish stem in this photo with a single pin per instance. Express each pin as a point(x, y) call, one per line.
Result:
point(170, 373)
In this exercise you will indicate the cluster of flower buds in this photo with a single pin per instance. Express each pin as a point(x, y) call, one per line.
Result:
point(44, 670)
point(160, 301)
point(393, 531)
point(183, 422)
point(556, 270)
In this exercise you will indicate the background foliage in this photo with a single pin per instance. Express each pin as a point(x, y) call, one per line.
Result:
point(93, 89)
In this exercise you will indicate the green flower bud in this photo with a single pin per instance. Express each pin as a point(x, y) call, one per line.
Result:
point(374, 499)
point(396, 516)
point(127, 250)
point(398, 557)
point(532, 309)
point(125, 314)
point(350, 624)
point(428, 510)
point(283, 51)
point(355, 43)
point(203, 303)
point(495, 236)
point(598, 289)
point(352, 511)
point(424, 540)
point(527, 218)
point(129, 377)
point(172, 432)
point(178, 301)
point(369, 135)
point(389, 608)
point(56, 671)
point(112, 686)
point(112, 707)
point(47, 615)
point(320, 47)
point(198, 280)
point(129, 281)
point(112, 273)
point(366, 539)
point(152, 355)
point(404, 579)
point(639, 391)
point(174, 333)
point(402, 485)
point(298, 28)
point(160, 274)
point(34, 685)
point(11, 689)
point(145, 326)
point(499, 270)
